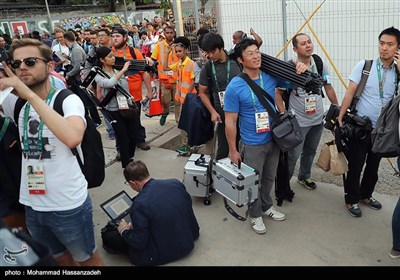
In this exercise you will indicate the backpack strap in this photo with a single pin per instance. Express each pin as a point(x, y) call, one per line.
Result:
point(57, 106)
point(398, 81)
point(132, 51)
point(17, 109)
point(360, 87)
point(318, 63)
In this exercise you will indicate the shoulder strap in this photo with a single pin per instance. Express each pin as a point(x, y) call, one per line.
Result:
point(364, 77)
point(4, 127)
point(261, 95)
point(398, 81)
point(57, 106)
point(132, 51)
point(319, 63)
point(17, 109)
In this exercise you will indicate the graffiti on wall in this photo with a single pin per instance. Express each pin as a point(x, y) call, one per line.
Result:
point(25, 26)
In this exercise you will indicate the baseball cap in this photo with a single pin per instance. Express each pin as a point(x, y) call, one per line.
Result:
point(119, 30)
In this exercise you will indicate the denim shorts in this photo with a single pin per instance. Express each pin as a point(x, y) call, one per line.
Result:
point(70, 230)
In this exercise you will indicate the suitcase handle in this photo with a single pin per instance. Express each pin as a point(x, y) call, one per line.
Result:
point(237, 165)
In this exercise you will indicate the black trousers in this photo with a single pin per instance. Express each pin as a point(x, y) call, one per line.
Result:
point(359, 154)
point(125, 132)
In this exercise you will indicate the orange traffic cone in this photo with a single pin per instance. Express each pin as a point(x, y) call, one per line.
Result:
point(155, 108)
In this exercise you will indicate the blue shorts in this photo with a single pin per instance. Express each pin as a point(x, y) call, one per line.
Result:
point(70, 230)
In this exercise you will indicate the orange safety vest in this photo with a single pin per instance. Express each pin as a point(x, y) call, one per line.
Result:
point(166, 54)
point(185, 72)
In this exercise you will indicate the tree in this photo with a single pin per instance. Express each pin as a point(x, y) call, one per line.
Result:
point(203, 6)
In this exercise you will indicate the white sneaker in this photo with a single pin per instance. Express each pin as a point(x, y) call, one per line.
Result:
point(275, 214)
point(258, 225)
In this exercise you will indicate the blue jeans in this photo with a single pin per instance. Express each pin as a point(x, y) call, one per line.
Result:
point(70, 230)
point(396, 226)
point(307, 149)
point(263, 158)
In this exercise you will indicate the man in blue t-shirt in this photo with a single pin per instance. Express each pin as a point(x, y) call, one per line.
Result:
point(257, 148)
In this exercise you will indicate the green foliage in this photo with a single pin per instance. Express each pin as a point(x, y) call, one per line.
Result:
point(165, 4)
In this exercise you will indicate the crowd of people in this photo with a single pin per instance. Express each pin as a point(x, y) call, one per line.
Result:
point(40, 67)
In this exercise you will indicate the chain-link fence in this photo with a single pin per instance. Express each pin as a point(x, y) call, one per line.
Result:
point(348, 30)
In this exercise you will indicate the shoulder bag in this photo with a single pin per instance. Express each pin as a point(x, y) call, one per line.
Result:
point(285, 128)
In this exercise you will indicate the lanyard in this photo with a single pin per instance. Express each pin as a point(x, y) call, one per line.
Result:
point(252, 93)
point(40, 130)
point(382, 79)
point(228, 71)
point(4, 127)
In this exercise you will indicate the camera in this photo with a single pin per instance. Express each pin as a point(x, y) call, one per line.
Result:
point(331, 117)
point(355, 127)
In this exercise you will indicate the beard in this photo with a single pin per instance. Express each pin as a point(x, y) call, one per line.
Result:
point(120, 45)
point(35, 82)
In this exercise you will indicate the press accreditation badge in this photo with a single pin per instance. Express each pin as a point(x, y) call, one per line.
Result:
point(36, 179)
point(169, 73)
point(262, 122)
point(311, 105)
point(221, 95)
point(122, 103)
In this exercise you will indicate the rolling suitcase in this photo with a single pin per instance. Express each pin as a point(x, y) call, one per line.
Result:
point(239, 183)
point(198, 174)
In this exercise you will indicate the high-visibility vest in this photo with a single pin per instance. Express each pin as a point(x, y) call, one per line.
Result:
point(166, 54)
point(185, 71)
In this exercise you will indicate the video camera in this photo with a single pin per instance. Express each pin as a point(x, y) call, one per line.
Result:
point(354, 126)
point(136, 65)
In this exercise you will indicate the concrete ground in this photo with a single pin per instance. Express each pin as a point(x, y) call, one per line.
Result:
point(318, 230)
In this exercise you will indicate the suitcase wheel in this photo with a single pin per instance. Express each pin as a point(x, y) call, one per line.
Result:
point(207, 201)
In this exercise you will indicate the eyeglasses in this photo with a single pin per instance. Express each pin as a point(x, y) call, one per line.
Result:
point(29, 61)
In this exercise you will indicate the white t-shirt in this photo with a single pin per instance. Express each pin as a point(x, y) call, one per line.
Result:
point(66, 186)
point(62, 49)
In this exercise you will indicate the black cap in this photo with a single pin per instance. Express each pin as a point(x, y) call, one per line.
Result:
point(119, 30)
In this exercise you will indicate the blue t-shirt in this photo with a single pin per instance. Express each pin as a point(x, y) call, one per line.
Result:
point(239, 99)
point(370, 102)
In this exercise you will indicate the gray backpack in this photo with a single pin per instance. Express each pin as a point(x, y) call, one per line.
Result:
point(385, 136)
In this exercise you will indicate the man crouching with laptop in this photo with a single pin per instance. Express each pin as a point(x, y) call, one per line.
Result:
point(164, 226)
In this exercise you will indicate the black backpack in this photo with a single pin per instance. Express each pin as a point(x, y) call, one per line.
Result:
point(92, 145)
point(10, 164)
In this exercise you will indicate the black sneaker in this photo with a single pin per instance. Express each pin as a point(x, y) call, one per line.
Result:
point(394, 254)
point(372, 203)
point(143, 146)
point(354, 210)
point(307, 183)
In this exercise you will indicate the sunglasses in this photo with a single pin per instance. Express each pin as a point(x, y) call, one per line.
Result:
point(29, 61)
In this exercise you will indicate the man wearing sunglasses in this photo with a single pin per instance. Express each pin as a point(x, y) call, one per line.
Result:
point(57, 205)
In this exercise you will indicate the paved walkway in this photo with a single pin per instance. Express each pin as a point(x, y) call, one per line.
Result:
point(318, 230)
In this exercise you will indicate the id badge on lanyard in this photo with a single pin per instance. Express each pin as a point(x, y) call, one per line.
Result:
point(221, 95)
point(310, 105)
point(35, 173)
point(262, 122)
point(122, 103)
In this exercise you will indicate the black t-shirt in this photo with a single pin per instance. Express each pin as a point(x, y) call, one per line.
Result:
point(207, 76)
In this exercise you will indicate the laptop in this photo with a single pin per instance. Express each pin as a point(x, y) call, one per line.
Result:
point(118, 207)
